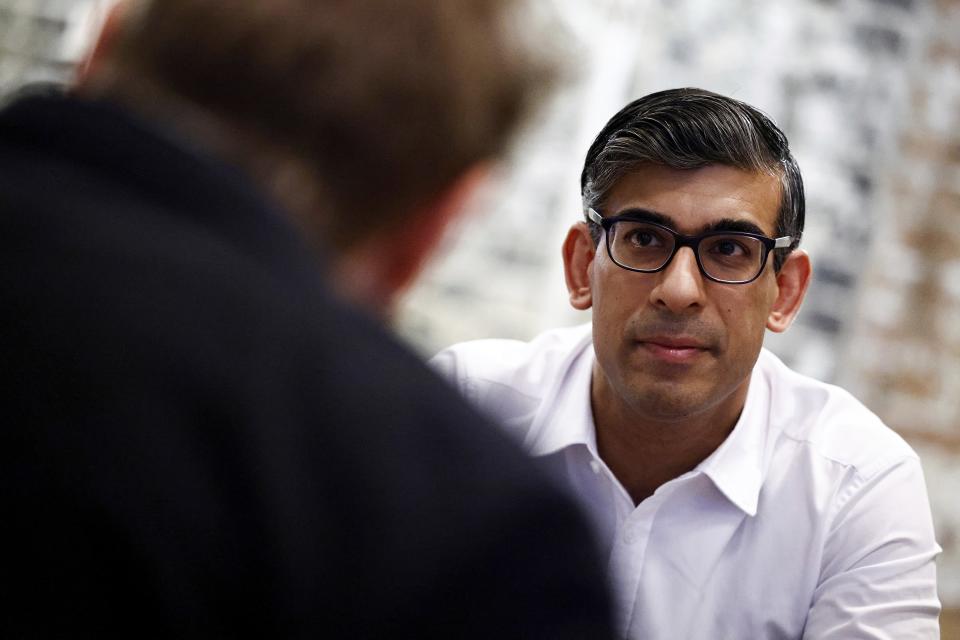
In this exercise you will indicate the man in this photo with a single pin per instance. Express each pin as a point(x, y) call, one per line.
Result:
point(737, 499)
point(199, 440)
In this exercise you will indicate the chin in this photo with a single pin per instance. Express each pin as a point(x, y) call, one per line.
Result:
point(665, 406)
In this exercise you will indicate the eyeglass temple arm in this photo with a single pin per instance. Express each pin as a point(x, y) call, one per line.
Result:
point(594, 216)
point(782, 242)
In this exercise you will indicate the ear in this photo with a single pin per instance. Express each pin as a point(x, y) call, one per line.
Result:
point(381, 267)
point(104, 44)
point(792, 283)
point(578, 254)
point(415, 241)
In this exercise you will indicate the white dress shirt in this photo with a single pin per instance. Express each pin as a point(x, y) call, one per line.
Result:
point(811, 520)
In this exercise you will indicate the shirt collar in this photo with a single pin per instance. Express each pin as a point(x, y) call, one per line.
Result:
point(737, 466)
point(565, 419)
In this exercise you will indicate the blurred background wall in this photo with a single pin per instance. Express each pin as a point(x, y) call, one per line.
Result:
point(41, 40)
point(868, 91)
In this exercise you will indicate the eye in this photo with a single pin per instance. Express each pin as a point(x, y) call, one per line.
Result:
point(644, 237)
point(730, 247)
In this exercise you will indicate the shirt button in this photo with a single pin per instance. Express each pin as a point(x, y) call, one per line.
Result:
point(595, 466)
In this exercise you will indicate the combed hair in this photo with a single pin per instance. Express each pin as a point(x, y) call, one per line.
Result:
point(688, 129)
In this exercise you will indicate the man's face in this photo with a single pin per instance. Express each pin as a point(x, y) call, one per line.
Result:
point(674, 344)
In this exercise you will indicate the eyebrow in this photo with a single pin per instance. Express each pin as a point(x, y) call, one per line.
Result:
point(730, 224)
point(725, 224)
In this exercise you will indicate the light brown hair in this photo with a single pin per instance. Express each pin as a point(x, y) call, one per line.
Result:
point(384, 102)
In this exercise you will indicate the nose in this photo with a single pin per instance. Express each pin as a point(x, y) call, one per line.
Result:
point(680, 287)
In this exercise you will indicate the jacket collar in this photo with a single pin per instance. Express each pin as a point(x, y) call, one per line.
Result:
point(113, 145)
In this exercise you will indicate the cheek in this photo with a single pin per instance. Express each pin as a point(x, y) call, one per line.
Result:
point(745, 317)
point(607, 288)
point(615, 302)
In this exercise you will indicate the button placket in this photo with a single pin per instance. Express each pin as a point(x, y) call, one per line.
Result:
point(628, 556)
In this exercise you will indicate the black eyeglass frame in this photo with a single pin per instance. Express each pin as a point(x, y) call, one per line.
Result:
point(680, 241)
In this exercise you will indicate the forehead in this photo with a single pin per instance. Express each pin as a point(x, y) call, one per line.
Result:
point(693, 199)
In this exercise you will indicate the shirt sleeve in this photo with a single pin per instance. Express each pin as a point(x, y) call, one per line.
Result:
point(878, 578)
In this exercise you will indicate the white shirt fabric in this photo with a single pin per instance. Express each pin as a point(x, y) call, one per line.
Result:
point(810, 521)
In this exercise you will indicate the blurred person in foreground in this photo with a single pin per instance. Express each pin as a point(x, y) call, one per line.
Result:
point(736, 498)
point(198, 438)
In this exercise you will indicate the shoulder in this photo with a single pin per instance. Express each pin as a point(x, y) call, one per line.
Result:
point(511, 378)
point(864, 499)
point(829, 421)
point(194, 357)
point(522, 365)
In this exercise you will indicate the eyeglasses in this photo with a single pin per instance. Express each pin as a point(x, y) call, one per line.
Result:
point(728, 257)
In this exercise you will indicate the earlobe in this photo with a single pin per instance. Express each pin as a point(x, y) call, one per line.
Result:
point(578, 254)
point(792, 283)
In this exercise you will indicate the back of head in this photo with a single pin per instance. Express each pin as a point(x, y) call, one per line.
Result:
point(691, 128)
point(381, 104)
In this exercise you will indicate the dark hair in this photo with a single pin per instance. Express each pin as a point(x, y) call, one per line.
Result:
point(384, 103)
point(687, 129)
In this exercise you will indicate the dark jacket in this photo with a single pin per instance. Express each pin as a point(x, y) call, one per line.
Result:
point(197, 439)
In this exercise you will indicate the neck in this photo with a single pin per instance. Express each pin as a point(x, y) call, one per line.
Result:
point(362, 276)
point(643, 452)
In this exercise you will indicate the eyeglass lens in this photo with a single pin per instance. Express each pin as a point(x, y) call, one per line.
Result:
point(647, 247)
